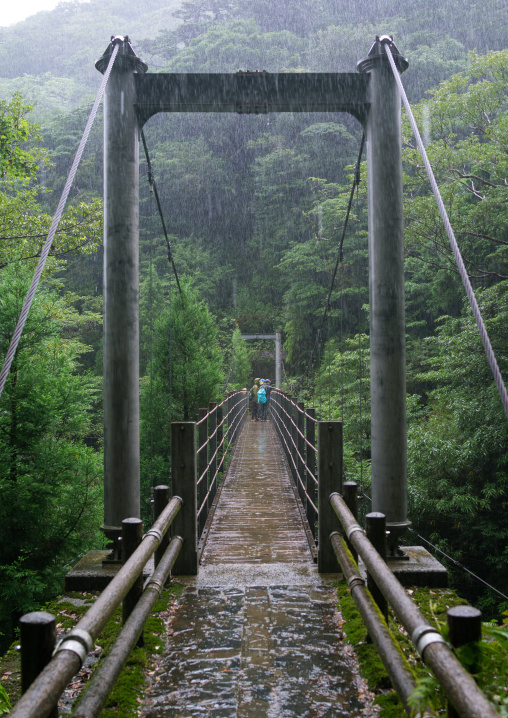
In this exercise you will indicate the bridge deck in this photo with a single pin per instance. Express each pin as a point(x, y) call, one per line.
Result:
point(257, 633)
point(257, 519)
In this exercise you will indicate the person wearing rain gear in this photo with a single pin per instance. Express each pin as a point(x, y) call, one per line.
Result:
point(268, 390)
point(254, 397)
point(262, 397)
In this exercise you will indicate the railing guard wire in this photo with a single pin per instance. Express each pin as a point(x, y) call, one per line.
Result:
point(54, 225)
point(451, 236)
point(70, 653)
point(237, 416)
point(280, 418)
point(459, 686)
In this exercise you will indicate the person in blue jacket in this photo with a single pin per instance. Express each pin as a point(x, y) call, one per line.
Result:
point(262, 398)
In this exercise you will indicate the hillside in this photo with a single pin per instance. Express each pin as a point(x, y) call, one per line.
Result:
point(255, 205)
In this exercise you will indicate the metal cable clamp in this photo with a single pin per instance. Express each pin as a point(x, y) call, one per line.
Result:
point(351, 530)
point(155, 533)
point(155, 584)
point(424, 635)
point(355, 581)
point(78, 641)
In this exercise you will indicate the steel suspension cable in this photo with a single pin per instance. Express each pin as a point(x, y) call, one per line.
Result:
point(453, 242)
point(459, 565)
point(54, 226)
point(153, 186)
point(449, 558)
point(338, 261)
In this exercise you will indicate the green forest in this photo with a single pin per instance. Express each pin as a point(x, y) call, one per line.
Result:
point(255, 207)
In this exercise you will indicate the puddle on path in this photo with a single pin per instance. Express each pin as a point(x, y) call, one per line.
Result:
point(250, 651)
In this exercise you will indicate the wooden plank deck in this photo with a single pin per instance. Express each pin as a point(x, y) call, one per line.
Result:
point(257, 519)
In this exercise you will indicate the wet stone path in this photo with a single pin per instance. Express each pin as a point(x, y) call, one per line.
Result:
point(257, 633)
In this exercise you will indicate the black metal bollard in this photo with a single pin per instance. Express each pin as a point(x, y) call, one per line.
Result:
point(38, 638)
point(464, 626)
point(375, 524)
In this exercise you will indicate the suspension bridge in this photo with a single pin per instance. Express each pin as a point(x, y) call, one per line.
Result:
point(256, 631)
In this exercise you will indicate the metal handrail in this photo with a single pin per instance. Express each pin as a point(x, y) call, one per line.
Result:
point(39, 700)
point(459, 686)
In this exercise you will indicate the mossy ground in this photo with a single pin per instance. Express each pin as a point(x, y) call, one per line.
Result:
point(125, 697)
point(433, 603)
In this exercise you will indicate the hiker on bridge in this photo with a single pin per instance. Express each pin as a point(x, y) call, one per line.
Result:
point(253, 397)
point(262, 398)
point(263, 406)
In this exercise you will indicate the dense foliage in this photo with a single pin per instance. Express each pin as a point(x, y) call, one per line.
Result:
point(255, 206)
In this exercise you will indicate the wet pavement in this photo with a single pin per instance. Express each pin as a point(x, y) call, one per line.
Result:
point(257, 633)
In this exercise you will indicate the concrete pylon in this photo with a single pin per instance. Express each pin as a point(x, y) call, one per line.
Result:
point(121, 290)
point(386, 289)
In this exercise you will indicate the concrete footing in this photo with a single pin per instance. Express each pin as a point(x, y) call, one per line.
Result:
point(418, 568)
point(89, 574)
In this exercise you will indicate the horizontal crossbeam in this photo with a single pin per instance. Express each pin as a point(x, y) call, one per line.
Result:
point(252, 93)
point(259, 336)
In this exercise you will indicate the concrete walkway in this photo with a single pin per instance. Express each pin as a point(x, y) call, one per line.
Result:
point(257, 633)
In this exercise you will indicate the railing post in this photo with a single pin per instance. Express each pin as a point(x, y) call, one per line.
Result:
point(300, 443)
point(132, 535)
point(183, 461)
point(212, 447)
point(350, 496)
point(330, 481)
point(464, 626)
point(294, 439)
point(310, 460)
point(234, 417)
point(38, 638)
point(220, 437)
point(161, 500)
point(375, 526)
point(202, 462)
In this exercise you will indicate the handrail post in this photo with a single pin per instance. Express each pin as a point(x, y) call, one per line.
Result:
point(183, 461)
point(464, 626)
point(300, 443)
point(233, 419)
point(161, 500)
point(330, 481)
point(375, 527)
point(293, 436)
point(202, 462)
point(38, 638)
point(220, 436)
point(132, 535)
point(310, 459)
point(288, 430)
point(212, 449)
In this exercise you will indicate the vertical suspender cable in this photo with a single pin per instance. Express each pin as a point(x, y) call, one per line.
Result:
point(54, 226)
point(453, 242)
